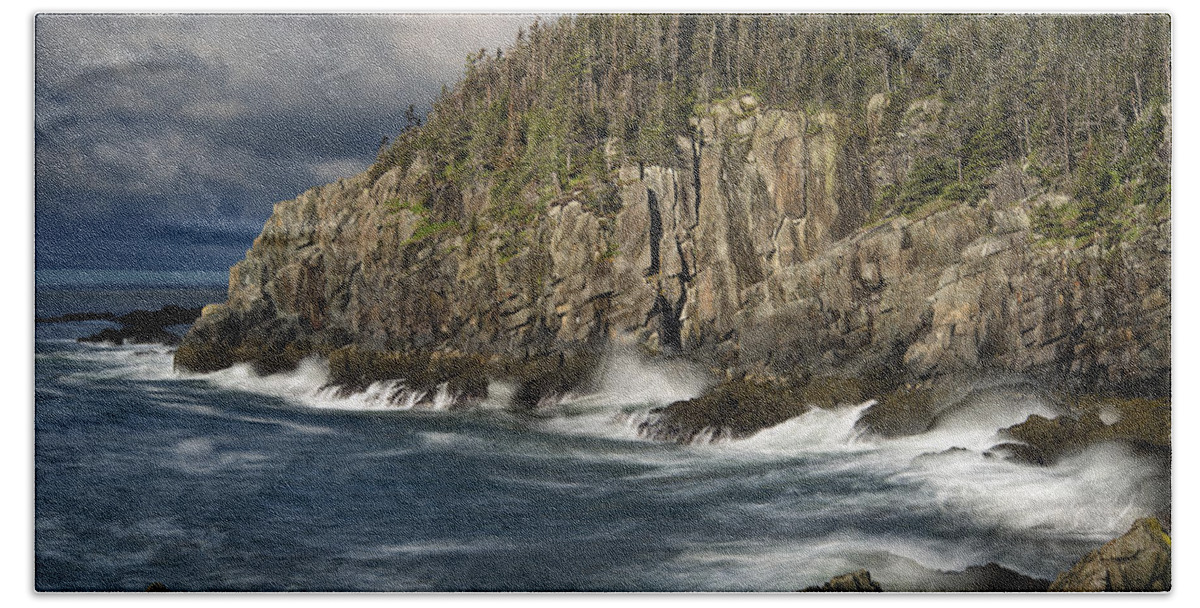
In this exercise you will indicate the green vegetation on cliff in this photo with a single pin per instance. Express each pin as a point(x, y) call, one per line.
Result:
point(1080, 103)
point(701, 184)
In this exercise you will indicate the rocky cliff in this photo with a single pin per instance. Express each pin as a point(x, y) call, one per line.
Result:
point(757, 254)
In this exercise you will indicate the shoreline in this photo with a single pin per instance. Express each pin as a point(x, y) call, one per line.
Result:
point(985, 577)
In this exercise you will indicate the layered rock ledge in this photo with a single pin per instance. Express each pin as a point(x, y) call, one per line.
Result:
point(749, 258)
point(756, 257)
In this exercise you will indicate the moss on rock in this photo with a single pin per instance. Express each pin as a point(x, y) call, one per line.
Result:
point(831, 391)
point(202, 357)
point(908, 410)
point(735, 409)
point(1142, 422)
point(353, 369)
point(546, 378)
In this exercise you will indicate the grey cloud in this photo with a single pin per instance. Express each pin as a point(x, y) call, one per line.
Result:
point(189, 119)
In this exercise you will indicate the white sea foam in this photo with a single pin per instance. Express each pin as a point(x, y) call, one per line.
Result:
point(308, 386)
point(628, 385)
point(432, 547)
point(167, 400)
point(815, 431)
point(201, 456)
point(131, 362)
point(303, 384)
point(793, 564)
point(385, 454)
point(975, 421)
point(1094, 495)
point(627, 378)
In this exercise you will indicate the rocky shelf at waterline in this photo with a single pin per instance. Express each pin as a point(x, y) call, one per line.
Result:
point(747, 260)
point(1137, 561)
point(751, 259)
point(136, 327)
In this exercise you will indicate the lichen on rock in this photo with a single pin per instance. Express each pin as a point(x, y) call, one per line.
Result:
point(1139, 560)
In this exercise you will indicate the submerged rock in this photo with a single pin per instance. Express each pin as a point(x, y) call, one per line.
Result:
point(858, 581)
point(1139, 560)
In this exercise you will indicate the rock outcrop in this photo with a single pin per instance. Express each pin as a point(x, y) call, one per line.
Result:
point(989, 578)
point(137, 327)
point(1144, 423)
point(858, 581)
point(749, 256)
point(1139, 560)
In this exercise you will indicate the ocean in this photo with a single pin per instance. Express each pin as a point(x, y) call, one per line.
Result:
point(230, 481)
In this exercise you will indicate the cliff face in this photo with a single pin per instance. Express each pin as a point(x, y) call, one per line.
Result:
point(748, 256)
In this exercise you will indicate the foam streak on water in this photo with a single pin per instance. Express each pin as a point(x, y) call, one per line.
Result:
point(288, 470)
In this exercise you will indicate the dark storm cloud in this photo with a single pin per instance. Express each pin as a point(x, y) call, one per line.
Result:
point(193, 121)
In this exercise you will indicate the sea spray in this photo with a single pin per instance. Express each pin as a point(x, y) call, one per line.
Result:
point(818, 430)
point(627, 388)
point(1093, 495)
point(777, 510)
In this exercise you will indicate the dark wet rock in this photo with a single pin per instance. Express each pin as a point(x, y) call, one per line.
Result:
point(225, 336)
point(164, 317)
point(734, 409)
point(912, 409)
point(832, 391)
point(911, 576)
point(542, 381)
point(991, 577)
point(202, 357)
point(858, 581)
point(1143, 423)
point(465, 377)
point(1018, 452)
point(143, 326)
point(906, 411)
point(1139, 560)
point(133, 335)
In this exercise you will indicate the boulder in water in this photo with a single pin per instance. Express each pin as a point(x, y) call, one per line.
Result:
point(733, 410)
point(1141, 422)
point(1139, 560)
point(139, 326)
point(909, 410)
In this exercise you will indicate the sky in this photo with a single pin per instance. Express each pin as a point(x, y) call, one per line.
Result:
point(162, 141)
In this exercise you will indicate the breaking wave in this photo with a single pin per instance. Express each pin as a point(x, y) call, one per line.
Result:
point(945, 472)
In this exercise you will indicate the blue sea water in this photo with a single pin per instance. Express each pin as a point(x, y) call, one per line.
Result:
point(230, 481)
